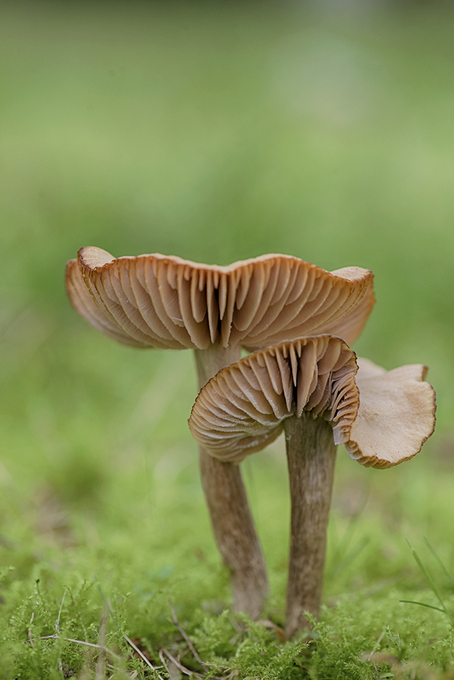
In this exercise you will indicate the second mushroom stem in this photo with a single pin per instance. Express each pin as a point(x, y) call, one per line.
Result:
point(311, 455)
point(231, 517)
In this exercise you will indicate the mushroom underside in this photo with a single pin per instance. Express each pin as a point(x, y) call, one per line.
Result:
point(244, 407)
point(159, 301)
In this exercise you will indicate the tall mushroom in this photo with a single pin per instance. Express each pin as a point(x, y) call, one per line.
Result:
point(312, 389)
point(167, 302)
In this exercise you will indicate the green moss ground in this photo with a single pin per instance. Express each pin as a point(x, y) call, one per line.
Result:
point(216, 131)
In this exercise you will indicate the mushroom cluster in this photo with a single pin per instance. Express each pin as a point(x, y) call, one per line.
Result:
point(168, 302)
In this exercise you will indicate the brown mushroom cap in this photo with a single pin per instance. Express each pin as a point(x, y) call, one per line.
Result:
point(396, 414)
point(158, 301)
point(243, 408)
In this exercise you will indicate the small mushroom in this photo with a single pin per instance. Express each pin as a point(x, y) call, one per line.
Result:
point(312, 389)
point(167, 302)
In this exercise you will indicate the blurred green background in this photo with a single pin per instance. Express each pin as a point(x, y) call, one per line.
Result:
point(215, 131)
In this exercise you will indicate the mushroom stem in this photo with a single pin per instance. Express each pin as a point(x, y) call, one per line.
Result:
point(210, 360)
point(311, 455)
point(231, 517)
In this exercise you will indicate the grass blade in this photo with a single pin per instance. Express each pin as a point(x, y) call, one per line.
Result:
point(423, 604)
point(446, 572)
point(431, 583)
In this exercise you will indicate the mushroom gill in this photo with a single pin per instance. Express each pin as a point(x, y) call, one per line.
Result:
point(243, 408)
point(159, 301)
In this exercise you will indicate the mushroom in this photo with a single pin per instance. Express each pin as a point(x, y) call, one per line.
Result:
point(312, 389)
point(168, 302)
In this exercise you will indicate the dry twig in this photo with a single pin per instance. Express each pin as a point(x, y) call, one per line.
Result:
point(142, 656)
point(178, 664)
point(79, 642)
point(185, 636)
